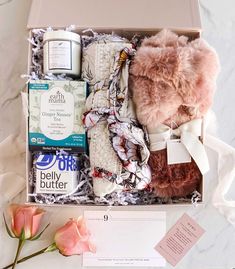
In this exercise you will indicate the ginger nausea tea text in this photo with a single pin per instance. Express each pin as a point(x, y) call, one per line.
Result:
point(57, 98)
point(56, 173)
point(57, 102)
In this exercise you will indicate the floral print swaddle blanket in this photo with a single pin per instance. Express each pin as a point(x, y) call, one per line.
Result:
point(117, 146)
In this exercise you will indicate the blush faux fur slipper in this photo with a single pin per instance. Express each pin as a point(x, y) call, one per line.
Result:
point(173, 81)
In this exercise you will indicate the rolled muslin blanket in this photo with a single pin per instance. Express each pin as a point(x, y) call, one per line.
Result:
point(173, 81)
point(117, 147)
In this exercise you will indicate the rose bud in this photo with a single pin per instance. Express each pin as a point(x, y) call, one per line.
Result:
point(25, 219)
point(73, 238)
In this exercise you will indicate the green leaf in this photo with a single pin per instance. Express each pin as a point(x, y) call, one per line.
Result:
point(39, 235)
point(7, 228)
point(22, 235)
point(51, 248)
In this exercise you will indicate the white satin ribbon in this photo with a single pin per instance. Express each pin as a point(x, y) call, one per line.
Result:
point(189, 133)
point(226, 176)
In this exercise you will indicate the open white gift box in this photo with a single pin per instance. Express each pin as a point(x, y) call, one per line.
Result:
point(126, 18)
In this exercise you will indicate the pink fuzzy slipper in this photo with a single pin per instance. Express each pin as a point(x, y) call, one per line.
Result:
point(173, 82)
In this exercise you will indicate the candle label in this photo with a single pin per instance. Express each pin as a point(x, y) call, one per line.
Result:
point(56, 174)
point(60, 55)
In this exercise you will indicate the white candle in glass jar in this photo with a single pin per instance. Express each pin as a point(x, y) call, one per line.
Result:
point(62, 53)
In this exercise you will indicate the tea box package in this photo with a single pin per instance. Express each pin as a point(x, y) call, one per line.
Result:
point(55, 115)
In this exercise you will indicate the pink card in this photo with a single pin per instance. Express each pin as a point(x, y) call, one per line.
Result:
point(179, 239)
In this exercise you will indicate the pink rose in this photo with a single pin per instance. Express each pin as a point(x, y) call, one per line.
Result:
point(73, 238)
point(25, 218)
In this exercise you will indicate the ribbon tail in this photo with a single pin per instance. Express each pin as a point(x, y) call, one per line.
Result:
point(197, 150)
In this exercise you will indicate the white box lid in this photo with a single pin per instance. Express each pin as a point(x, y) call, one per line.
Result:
point(116, 14)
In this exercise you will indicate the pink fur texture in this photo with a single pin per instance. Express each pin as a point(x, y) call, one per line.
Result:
point(172, 79)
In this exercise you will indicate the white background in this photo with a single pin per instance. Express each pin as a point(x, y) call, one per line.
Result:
point(216, 248)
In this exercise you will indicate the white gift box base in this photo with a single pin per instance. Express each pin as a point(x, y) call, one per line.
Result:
point(125, 18)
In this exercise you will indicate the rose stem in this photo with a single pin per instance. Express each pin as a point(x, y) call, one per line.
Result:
point(50, 248)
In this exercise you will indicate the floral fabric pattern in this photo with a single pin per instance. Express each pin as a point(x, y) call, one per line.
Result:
point(97, 64)
point(126, 137)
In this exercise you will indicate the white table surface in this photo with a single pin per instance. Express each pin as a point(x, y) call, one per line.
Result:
point(216, 248)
